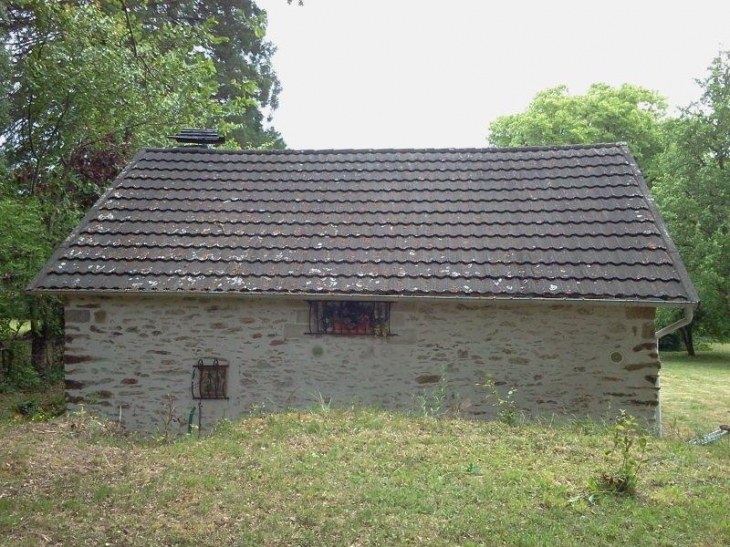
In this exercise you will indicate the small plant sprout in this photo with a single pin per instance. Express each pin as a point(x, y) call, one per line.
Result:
point(325, 403)
point(169, 417)
point(432, 402)
point(473, 469)
point(630, 445)
point(505, 405)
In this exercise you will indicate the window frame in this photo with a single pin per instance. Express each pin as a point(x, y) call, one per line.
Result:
point(350, 317)
point(203, 383)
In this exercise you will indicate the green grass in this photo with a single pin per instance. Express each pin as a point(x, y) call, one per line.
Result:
point(17, 406)
point(367, 477)
point(695, 391)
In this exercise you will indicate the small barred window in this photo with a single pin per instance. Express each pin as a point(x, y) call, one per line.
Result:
point(212, 380)
point(349, 317)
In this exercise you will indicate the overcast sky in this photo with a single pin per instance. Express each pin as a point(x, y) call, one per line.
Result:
point(435, 73)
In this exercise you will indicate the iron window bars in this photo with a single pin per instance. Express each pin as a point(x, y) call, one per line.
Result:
point(212, 380)
point(349, 317)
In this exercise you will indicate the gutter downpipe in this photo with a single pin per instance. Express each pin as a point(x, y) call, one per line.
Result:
point(686, 320)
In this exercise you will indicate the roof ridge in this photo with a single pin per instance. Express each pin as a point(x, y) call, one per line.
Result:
point(453, 150)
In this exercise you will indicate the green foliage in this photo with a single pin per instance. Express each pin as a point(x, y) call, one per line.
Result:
point(431, 402)
point(506, 407)
point(91, 80)
point(366, 477)
point(670, 342)
point(24, 248)
point(37, 410)
point(629, 445)
point(20, 375)
point(83, 86)
point(324, 404)
point(685, 159)
point(473, 469)
point(628, 114)
point(5, 71)
point(240, 53)
point(693, 193)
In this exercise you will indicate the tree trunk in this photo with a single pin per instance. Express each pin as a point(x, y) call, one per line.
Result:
point(38, 348)
point(686, 333)
point(46, 330)
point(6, 361)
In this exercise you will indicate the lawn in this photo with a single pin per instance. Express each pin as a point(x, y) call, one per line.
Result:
point(695, 391)
point(366, 477)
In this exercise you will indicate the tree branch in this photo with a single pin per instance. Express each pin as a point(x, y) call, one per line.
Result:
point(133, 41)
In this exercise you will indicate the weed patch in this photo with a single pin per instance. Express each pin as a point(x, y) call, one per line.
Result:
point(629, 449)
point(503, 401)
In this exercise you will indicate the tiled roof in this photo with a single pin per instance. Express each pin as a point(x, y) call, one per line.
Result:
point(571, 222)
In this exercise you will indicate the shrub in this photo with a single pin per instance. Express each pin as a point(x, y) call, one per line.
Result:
point(20, 376)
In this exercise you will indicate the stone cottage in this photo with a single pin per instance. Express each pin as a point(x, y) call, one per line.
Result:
point(210, 283)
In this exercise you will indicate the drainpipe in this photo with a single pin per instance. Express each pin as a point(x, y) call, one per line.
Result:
point(191, 416)
point(686, 320)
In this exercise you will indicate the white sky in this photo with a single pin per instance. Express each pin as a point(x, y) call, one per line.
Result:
point(435, 73)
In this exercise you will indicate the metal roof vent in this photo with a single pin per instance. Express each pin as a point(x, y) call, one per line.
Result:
point(199, 137)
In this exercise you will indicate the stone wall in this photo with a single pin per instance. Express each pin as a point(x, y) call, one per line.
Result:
point(133, 357)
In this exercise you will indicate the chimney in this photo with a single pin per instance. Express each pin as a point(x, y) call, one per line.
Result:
point(198, 137)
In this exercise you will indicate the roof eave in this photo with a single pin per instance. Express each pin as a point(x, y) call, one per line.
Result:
point(33, 286)
point(692, 296)
point(372, 297)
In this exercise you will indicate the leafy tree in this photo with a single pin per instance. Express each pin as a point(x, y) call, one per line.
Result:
point(628, 114)
point(23, 250)
point(4, 84)
point(89, 84)
point(239, 51)
point(24, 247)
point(684, 159)
point(693, 193)
point(85, 82)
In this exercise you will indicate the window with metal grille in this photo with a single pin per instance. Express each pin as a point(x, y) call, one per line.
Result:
point(349, 317)
point(212, 380)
